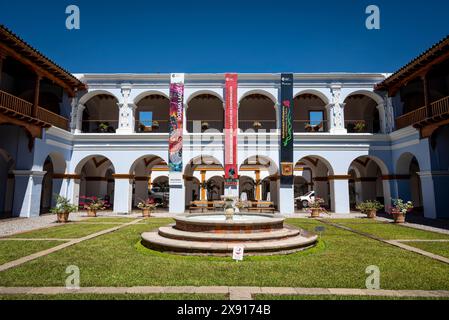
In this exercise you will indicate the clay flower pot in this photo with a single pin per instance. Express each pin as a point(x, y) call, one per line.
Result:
point(398, 216)
point(91, 213)
point(146, 213)
point(315, 213)
point(372, 214)
point(63, 217)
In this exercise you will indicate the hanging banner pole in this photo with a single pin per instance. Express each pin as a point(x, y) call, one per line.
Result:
point(176, 128)
point(286, 115)
point(231, 129)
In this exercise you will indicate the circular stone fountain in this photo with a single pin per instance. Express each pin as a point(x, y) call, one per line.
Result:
point(216, 234)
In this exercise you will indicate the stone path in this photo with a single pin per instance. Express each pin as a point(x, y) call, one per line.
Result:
point(72, 242)
point(417, 226)
point(234, 293)
point(395, 243)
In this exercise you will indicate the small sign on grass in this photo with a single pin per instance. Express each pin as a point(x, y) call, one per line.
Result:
point(238, 253)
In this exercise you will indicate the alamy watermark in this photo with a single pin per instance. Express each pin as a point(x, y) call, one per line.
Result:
point(72, 282)
point(73, 20)
point(373, 280)
point(373, 20)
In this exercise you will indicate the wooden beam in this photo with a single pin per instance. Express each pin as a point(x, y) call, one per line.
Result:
point(36, 68)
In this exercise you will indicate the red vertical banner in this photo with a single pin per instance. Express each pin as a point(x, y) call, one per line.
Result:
point(231, 129)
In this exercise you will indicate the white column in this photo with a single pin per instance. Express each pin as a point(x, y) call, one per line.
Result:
point(122, 194)
point(287, 200)
point(27, 193)
point(177, 194)
point(429, 196)
point(336, 112)
point(390, 123)
point(340, 195)
point(77, 117)
point(126, 122)
point(382, 118)
point(73, 114)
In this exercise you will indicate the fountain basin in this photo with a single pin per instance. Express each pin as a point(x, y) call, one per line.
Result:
point(215, 223)
point(212, 234)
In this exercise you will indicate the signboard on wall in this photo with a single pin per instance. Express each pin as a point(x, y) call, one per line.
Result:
point(286, 116)
point(231, 128)
point(176, 126)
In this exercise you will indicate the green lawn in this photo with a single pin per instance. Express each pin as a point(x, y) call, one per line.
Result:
point(439, 248)
point(389, 231)
point(109, 220)
point(339, 261)
point(115, 297)
point(13, 250)
point(331, 297)
point(68, 231)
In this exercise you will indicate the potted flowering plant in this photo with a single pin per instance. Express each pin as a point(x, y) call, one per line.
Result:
point(359, 126)
point(316, 207)
point(148, 206)
point(63, 209)
point(93, 204)
point(400, 209)
point(370, 208)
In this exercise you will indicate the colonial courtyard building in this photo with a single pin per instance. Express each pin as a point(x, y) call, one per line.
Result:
point(187, 138)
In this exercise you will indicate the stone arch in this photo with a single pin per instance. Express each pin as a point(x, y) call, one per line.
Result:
point(200, 169)
point(147, 93)
point(91, 94)
point(205, 112)
point(368, 181)
point(314, 92)
point(98, 115)
point(310, 112)
point(408, 179)
point(364, 112)
point(321, 169)
point(142, 173)
point(158, 105)
point(258, 110)
point(198, 93)
point(92, 178)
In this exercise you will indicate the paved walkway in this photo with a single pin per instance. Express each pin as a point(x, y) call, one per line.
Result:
point(234, 293)
point(36, 255)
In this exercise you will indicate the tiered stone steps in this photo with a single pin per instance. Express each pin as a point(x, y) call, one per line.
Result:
point(282, 241)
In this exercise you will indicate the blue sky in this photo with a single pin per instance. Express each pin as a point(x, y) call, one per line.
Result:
point(229, 35)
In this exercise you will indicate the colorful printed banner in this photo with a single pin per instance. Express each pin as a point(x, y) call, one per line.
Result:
point(231, 129)
point(286, 115)
point(175, 122)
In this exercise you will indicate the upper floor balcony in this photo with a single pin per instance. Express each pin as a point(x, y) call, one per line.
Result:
point(435, 112)
point(24, 110)
point(313, 113)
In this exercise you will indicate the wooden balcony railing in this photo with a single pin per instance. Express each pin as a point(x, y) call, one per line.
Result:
point(411, 118)
point(440, 107)
point(25, 108)
point(52, 118)
point(15, 104)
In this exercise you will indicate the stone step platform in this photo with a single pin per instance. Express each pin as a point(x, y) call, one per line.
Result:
point(173, 233)
point(154, 241)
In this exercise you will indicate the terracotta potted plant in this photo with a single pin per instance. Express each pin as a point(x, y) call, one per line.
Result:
point(360, 127)
point(370, 208)
point(400, 210)
point(63, 209)
point(148, 206)
point(316, 207)
point(93, 205)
